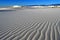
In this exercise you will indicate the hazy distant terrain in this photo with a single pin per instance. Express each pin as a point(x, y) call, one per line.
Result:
point(30, 24)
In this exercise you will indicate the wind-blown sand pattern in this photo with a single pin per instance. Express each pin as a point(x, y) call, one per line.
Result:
point(30, 24)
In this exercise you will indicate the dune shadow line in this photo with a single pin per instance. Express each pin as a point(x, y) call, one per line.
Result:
point(6, 10)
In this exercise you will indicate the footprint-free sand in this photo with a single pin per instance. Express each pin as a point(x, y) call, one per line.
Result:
point(30, 24)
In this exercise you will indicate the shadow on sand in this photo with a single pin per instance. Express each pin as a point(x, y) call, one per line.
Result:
point(59, 29)
point(59, 24)
point(6, 10)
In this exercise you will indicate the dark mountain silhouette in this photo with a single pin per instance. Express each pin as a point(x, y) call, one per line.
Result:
point(55, 4)
point(45, 5)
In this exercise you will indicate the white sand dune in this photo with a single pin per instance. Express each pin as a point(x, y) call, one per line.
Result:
point(5, 8)
point(30, 24)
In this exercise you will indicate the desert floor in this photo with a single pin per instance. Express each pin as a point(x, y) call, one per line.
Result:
point(30, 24)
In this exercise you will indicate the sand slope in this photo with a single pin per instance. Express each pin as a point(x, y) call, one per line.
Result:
point(30, 24)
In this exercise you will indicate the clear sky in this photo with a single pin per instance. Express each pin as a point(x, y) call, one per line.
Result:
point(27, 2)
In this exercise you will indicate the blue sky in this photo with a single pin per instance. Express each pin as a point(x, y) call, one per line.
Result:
point(27, 2)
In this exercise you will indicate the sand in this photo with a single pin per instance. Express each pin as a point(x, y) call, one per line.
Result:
point(30, 24)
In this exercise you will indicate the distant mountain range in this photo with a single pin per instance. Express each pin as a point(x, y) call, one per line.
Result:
point(33, 5)
point(45, 5)
point(56, 4)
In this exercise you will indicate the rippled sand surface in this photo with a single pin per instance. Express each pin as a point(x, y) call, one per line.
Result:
point(30, 24)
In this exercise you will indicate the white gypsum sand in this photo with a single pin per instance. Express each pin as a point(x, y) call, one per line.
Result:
point(30, 24)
